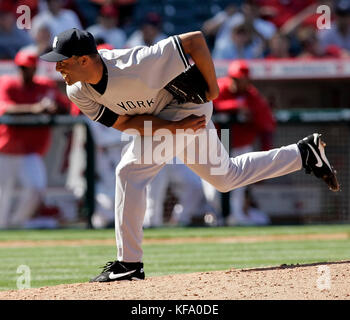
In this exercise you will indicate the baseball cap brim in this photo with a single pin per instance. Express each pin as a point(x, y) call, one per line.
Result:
point(53, 56)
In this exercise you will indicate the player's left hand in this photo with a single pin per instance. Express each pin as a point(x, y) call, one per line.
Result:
point(192, 122)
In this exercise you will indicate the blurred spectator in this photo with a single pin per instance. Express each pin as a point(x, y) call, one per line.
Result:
point(107, 27)
point(56, 18)
point(11, 38)
point(279, 46)
point(242, 44)
point(211, 26)
point(251, 119)
point(125, 8)
point(22, 147)
point(83, 9)
point(311, 46)
point(42, 41)
point(149, 33)
point(339, 33)
point(249, 15)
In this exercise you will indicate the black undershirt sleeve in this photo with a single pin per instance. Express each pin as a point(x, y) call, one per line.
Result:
point(106, 117)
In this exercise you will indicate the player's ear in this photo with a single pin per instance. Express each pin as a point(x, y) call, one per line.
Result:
point(83, 60)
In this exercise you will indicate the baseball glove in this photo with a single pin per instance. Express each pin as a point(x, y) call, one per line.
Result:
point(189, 86)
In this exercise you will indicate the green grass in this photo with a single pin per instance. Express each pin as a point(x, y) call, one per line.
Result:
point(160, 233)
point(70, 264)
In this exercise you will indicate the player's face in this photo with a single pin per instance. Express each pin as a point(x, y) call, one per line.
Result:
point(70, 70)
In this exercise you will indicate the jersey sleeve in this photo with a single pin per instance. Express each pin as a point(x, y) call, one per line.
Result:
point(157, 65)
point(94, 110)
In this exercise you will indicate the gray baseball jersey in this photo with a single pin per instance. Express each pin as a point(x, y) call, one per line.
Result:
point(136, 78)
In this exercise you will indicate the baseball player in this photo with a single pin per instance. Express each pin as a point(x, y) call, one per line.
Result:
point(124, 89)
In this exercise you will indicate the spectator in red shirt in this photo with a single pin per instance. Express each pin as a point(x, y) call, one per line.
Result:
point(239, 97)
point(253, 120)
point(22, 147)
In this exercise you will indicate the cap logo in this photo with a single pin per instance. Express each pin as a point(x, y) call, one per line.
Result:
point(54, 45)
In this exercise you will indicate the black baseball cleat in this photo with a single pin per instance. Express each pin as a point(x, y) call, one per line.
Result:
point(312, 150)
point(117, 270)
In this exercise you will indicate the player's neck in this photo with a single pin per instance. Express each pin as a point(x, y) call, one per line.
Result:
point(96, 72)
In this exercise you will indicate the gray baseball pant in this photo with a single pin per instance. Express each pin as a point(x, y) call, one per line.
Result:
point(134, 173)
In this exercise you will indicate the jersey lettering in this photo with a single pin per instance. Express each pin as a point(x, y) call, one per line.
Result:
point(150, 102)
point(130, 105)
point(121, 104)
point(141, 104)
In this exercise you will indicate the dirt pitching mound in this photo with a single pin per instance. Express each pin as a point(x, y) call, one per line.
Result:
point(313, 281)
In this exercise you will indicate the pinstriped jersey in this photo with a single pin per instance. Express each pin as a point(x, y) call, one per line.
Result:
point(136, 78)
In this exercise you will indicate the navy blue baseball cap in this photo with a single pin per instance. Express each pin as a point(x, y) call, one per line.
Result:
point(71, 42)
